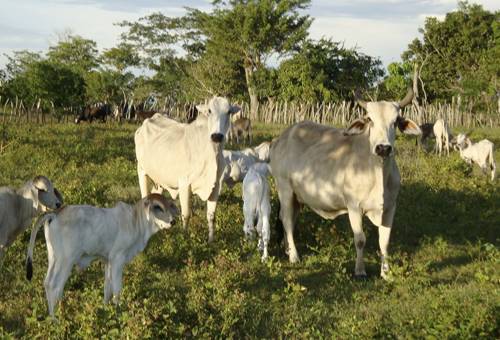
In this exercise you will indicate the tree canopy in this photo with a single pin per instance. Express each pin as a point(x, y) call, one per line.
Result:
point(256, 51)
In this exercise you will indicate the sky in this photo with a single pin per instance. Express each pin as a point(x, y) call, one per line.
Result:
point(378, 28)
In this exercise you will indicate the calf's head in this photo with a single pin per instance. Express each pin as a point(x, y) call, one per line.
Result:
point(45, 195)
point(380, 122)
point(161, 211)
point(217, 111)
point(461, 142)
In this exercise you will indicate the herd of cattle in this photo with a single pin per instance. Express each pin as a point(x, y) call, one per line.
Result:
point(333, 171)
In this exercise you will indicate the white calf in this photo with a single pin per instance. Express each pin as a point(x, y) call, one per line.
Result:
point(480, 153)
point(79, 234)
point(256, 205)
point(443, 136)
point(19, 207)
point(238, 162)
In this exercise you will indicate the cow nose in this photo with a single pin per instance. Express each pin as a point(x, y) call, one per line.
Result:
point(217, 137)
point(383, 150)
point(58, 205)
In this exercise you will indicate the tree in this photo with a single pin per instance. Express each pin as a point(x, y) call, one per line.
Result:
point(75, 52)
point(395, 84)
point(236, 35)
point(121, 57)
point(326, 71)
point(460, 53)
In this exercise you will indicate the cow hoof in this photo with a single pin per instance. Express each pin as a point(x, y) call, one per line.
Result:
point(386, 276)
point(361, 277)
point(294, 259)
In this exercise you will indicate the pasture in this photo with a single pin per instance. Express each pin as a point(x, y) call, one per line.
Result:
point(444, 255)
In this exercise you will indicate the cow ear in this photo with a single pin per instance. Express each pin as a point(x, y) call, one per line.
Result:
point(203, 109)
point(58, 195)
point(357, 127)
point(234, 109)
point(408, 126)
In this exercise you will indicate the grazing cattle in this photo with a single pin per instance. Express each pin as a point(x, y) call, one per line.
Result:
point(257, 205)
point(427, 132)
point(238, 162)
point(90, 113)
point(242, 127)
point(336, 172)
point(78, 234)
point(480, 153)
point(443, 136)
point(18, 207)
point(185, 158)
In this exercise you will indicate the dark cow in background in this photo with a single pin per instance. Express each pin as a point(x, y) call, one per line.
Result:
point(427, 132)
point(91, 112)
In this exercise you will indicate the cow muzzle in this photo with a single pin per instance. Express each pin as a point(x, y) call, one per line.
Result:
point(217, 137)
point(383, 150)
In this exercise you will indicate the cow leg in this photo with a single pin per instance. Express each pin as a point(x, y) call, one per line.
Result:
point(265, 233)
point(144, 183)
point(116, 278)
point(57, 276)
point(356, 220)
point(384, 233)
point(287, 216)
point(211, 206)
point(107, 283)
point(185, 200)
point(248, 227)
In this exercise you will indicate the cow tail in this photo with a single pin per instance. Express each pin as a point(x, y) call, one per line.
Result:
point(29, 259)
point(278, 226)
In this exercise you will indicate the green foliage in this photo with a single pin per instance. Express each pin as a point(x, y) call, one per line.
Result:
point(396, 83)
point(444, 256)
point(32, 78)
point(460, 54)
point(75, 52)
point(326, 71)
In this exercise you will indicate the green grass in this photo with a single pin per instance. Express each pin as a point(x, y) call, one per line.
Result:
point(444, 256)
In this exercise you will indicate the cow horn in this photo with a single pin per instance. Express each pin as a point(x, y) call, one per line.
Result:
point(407, 99)
point(357, 97)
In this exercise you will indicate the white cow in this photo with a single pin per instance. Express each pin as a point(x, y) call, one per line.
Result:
point(17, 208)
point(256, 205)
point(78, 234)
point(336, 172)
point(480, 153)
point(185, 158)
point(443, 136)
point(238, 162)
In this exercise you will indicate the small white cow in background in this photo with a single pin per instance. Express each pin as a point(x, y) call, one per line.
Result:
point(78, 234)
point(256, 205)
point(17, 208)
point(238, 162)
point(443, 136)
point(480, 153)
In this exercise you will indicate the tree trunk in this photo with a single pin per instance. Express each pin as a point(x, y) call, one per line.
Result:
point(254, 99)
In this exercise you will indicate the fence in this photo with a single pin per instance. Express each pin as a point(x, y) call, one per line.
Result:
point(339, 114)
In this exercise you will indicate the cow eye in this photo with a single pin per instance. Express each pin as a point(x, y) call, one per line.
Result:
point(209, 111)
